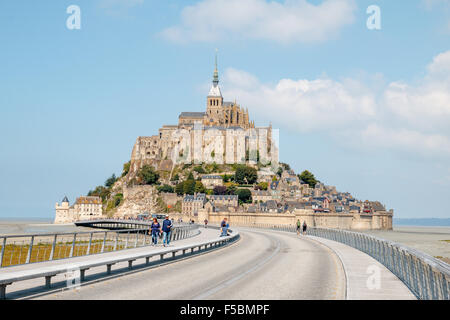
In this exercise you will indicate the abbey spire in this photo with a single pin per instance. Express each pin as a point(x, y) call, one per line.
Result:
point(216, 73)
point(215, 89)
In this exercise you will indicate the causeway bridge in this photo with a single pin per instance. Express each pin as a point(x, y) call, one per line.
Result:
point(115, 224)
point(253, 262)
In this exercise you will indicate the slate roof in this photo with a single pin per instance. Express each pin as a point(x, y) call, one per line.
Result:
point(192, 198)
point(223, 197)
point(198, 115)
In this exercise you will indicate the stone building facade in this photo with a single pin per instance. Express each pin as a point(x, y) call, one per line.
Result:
point(210, 181)
point(84, 208)
point(221, 134)
point(192, 204)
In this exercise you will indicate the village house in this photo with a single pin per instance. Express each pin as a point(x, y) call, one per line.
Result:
point(261, 195)
point(193, 203)
point(211, 181)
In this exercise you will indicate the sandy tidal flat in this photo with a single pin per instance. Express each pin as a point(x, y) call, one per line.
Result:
point(434, 241)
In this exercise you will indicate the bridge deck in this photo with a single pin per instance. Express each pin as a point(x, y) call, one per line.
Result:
point(359, 267)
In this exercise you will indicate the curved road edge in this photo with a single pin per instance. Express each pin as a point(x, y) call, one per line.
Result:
point(366, 278)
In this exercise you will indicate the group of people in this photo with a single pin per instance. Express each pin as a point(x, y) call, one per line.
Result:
point(301, 228)
point(156, 230)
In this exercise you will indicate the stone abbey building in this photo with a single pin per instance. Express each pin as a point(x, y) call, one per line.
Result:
point(223, 133)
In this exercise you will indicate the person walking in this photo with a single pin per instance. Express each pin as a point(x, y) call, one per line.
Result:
point(304, 227)
point(299, 226)
point(224, 225)
point(206, 223)
point(167, 230)
point(155, 229)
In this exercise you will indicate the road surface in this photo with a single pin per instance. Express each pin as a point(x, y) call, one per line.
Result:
point(262, 265)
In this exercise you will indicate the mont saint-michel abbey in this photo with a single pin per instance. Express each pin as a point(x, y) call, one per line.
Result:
point(223, 133)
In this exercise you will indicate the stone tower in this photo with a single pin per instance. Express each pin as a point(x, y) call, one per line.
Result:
point(214, 102)
point(63, 212)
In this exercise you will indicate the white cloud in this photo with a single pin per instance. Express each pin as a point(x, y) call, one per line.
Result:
point(303, 104)
point(414, 118)
point(290, 21)
point(406, 140)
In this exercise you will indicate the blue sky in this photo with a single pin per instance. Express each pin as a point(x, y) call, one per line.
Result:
point(365, 110)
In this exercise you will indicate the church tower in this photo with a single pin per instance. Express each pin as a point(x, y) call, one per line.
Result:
point(214, 102)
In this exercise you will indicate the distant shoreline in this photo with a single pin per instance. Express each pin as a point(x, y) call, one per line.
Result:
point(422, 222)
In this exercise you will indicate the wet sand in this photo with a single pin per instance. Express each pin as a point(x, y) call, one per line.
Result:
point(22, 227)
point(430, 240)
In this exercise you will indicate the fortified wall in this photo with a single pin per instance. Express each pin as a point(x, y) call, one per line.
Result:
point(375, 221)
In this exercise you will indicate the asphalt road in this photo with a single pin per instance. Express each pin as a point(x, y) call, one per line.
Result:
point(262, 265)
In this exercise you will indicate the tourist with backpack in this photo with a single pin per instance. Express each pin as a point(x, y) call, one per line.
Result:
point(167, 230)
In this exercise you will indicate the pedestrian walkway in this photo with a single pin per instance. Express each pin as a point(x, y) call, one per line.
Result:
point(205, 235)
point(367, 279)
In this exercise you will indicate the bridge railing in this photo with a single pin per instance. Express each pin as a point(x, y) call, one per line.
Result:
point(426, 277)
point(162, 255)
point(24, 249)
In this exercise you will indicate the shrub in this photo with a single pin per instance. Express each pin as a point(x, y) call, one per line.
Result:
point(148, 175)
point(110, 181)
point(126, 168)
point(308, 178)
point(165, 188)
point(245, 175)
point(199, 169)
point(244, 195)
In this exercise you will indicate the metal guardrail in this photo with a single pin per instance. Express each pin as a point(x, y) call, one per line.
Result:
point(427, 277)
point(24, 249)
point(49, 272)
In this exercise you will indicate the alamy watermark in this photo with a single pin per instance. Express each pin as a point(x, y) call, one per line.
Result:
point(374, 20)
point(73, 278)
point(374, 280)
point(73, 22)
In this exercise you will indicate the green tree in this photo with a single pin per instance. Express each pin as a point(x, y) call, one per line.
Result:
point(110, 181)
point(165, 188)
point(262, 186)
point(231, 189)
point(245, 175)
point(199, 187)
point(308, 178)
point(189, 186)
point(199, 169)
point(244, 195)
point(226, 178)
point(176, 177)
point(179, 188)
point(190, 176)
point(148, 175)
point(126, 168)
point(118, 198)
point(279, 171)
point(101, 192)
